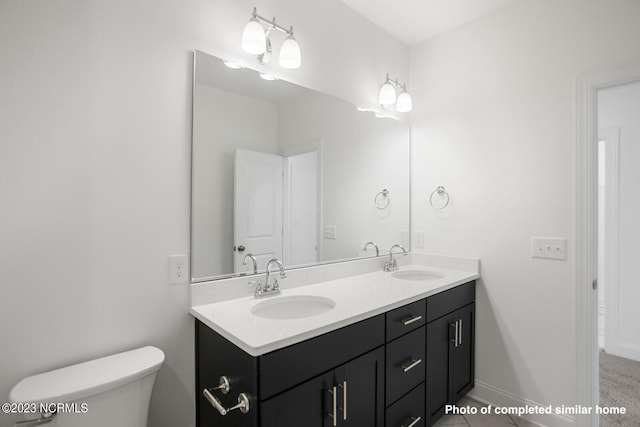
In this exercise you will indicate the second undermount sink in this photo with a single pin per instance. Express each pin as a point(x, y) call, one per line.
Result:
point(417, 275)
point(293, 307)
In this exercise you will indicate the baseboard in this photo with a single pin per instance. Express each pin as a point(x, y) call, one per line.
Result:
point(491, 395)
point(629, 351)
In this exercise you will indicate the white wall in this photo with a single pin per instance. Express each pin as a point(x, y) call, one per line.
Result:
point(619, 107)
point(95, 129)
point(494, 123)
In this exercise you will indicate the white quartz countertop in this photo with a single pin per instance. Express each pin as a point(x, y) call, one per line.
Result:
point(356, 298)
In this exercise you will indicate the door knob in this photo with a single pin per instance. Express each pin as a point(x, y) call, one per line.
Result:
point(241, 248)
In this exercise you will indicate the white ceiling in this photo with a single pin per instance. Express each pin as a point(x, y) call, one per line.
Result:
point(413, 21)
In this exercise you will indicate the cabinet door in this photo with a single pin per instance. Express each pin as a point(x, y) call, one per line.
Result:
point(308, 404)
point(462, 368)
point(439, 333)
point(360, 386)
point(450, 368)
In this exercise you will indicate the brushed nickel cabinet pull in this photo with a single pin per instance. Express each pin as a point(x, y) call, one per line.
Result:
point(334, 413)
point(460, 334)
point(343, 386)
point(455, 339)
point(411, 320)
point(407, 366)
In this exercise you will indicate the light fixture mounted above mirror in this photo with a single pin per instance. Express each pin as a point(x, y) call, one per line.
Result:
point(387, 95)
point(256, 41)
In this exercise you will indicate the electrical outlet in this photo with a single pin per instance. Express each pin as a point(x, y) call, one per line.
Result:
point(178, 269)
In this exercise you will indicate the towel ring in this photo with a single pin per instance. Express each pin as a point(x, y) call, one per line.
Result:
point(384, 194)
point(442, 192)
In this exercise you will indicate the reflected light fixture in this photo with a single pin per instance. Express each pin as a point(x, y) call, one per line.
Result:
point(267, 77)
point(256, 41)
point(231, 64)
point(387, 95)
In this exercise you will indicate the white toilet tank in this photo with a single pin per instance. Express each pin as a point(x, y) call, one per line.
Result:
point(112, 391)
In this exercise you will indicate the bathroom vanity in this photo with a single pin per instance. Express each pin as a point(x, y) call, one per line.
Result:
point(348, 342)
point(397, 365)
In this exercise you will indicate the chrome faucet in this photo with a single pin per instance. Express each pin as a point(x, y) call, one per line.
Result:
point(392, 264)
point(275, 288)
point(253, 260)
point(366, 245)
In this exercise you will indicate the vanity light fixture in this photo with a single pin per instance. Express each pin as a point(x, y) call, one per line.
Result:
point(387, 95)
point(255, 40)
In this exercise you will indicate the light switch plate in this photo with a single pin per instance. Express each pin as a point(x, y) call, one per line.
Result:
point(549, 247)
point(329, 232)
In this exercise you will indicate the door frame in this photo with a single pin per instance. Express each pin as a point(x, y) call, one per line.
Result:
point(585, 213)
point(611, 138)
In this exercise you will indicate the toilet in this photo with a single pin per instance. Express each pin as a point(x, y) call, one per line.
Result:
point(107, 392)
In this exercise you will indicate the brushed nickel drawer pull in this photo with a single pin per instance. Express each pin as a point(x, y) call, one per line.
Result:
point(406, 367)
point(411, 320)
point(414, 421)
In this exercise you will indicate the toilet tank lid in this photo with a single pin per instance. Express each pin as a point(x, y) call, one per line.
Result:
point(86, 379)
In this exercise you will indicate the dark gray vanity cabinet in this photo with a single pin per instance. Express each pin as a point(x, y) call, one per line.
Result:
point(450, 349)
point(336, 376)
point(395, 369)
point(351, 393)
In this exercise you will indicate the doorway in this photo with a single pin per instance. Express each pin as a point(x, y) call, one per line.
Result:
point(618, 118)
point(586, 241)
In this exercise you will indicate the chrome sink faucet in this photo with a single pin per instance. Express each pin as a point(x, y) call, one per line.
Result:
point(392, 264)
point(253, 260)
point(366, 245)
point(275, 288)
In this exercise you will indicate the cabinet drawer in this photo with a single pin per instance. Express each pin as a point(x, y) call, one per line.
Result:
point(406, 319)
point(290, 366)
point(445, 302)
point(405, 364)
point(408, 411)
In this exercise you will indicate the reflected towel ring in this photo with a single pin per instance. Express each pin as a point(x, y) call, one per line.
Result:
point(384, 196)
point(442, 192)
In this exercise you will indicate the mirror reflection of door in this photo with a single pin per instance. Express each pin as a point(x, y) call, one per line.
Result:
point(275, 208)
point(300, 209)
point(257, 208)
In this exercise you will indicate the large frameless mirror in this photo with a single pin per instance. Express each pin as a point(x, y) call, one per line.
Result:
point(281, 171)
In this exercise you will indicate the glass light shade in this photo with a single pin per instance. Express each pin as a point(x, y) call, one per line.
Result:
point(290, 53)
point(254, 40)
point(387, 94)
point(404, 104)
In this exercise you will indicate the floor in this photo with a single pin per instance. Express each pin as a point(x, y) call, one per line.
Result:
point(478, 420)
point(619, 387)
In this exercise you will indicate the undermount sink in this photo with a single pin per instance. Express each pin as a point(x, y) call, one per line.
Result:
point(417, 275)
point(293, 307)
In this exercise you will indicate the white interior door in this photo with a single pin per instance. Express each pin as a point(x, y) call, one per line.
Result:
point(257, 207)
point(301, 209)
